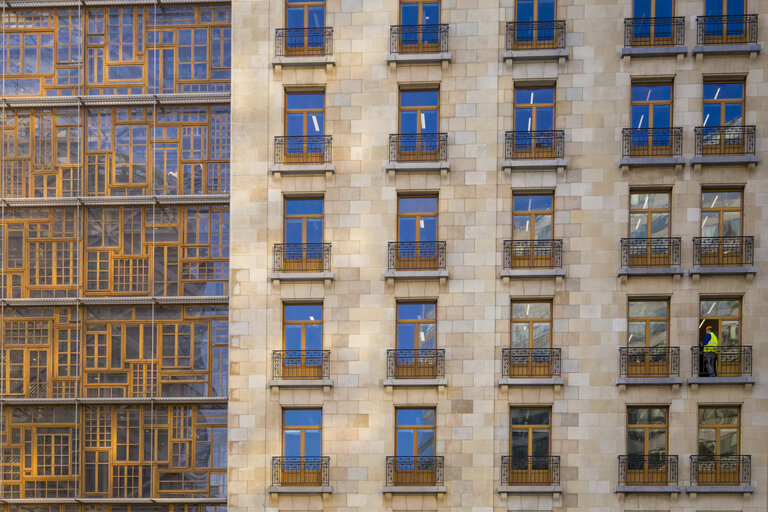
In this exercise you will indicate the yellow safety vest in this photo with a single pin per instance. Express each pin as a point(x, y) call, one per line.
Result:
point(712, 346)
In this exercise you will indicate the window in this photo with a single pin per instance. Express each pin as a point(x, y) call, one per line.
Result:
point(719, 433)
point(534, 122)
point(651, 118)
point(531, 339)
point(534, 27)
point(302, 341)
point(724, 316)
point(649, 221)
point(305, 21)
point(415, 447)
point(721, 228)
point(529, 447)
point(420, 30)
point(532, 216)
point(304, 127)
point(303, 235)
point(419, 125)
point(416, 340)
point(302, 447)
point(647, 445)
point(648, 338)
point(722, 132)
point(417, 232)
point(725, 22)
point(653, 23)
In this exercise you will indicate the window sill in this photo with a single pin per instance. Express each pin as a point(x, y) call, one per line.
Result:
point(419, 58)
point(649, 381)
point(654, 51)
point(300, 383)
point(747, 269)
point(530, 489)
point(531, 381)
point(414, 489)
point(442, 166)
point(720, 488)
point(416, 383)
point(305, 61)
point(722, 380)
point(559, 54)
point(298, 489)
point(727, 49)
point(532, 272)
point(555, 163)
point(302, 169)
point(725, 160)
point(672, 489)
point(651, 271)
point(301, 276)
point(668, 161)
point(416, 275)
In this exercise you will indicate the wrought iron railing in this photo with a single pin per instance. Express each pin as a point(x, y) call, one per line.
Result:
point(725, 140)
point(300, 471)
point(312, 149)
point(651, 142)
point(303, 42)
point(724, 30)
point(649, 32)
point(535, 35)
point(419, 363)
point(520, 254)
point(415, 470)
point(650, 252)
point(731, 361)
point(418, 147)
point(418, 38)
point(536, 145)
point(648, 469)
point(641, 362)
point(301, 364)
point(531, 470)
point(302, 257)
point(530, 362)
point(723, 251)
point(416, 255)
point(721, 469)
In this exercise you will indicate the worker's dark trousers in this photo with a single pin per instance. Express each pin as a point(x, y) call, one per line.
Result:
point(710, 364)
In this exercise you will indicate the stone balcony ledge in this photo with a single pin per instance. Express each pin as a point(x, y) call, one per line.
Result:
point(654, 51)
point(651, 271)
point(300, 489)
point(419, 58)
point(545, 381)
point(302, 169)
point(649, 381)
point(720, 488)
point(558, 54)
point(553, 163)
point(520, 273)
point(726, 49)
point(304, 61)
point(442, 166)
point(301, 276)
point(530, 489)
point(749, 379)
point(745, 269)
point(416, 383)
point(672, 489)
point(414, 489)
point(667, 161)
point(416, 275)
point(300, 383)
point(725, 160)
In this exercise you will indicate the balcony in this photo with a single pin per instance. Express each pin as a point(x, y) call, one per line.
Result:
point(301, 368)
point(304, 47)
point(415, 367)
point(303, 154)
point(535, 40)
point(418, 152)
point(534, 150)
point(649, 366)
point(654, 37)
point(302, 262)
point(726, 35)
point(530, 366)
point(721, 473)
point(532, 258)
point(416, 260)
point(723, 255)
point(648, 473)
point(418, 44)
point(725, 145)
point(532, 474)
point(415, 475)
point(649, 147)
point(650, 256)
point(300, 475)
point(733, 366)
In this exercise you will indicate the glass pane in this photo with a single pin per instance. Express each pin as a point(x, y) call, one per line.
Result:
point(519, 444)
point(292, 337)
point(729, 441)
point(523, 123)
point(315, 124)
point(294, 125)
point(735, 8)
point(313, 443)
point(642, 8)
point(428, 229)
point(405, 446)
point(714, 8)
point(520, 336)
point(315, 233)
point(731, 224)
point(636, 441)
point(407, 229)
point(529, 417)
point(415, 417)
point(522, 227)
point(313, 337)
point(662, 118)
point(296, 17)
point(651, 92)
point(638, 225)
point(409, 122)
point(707, 445)
point(658, 334)
point(534, 96)
point(546, 10)
point(294, 232)
point(533, 203)
point(660, 225)
point(729, 333)
point(541, 335)
point(637, 416)
point(524, 10)
point(411, 311)
point(304, 206)
point(297, 312)
point(312, 101)
point(431, 14)
point(657, 441)
point(713, 308)
point(733, 117)
point(544, 119)
point(540, 443)
point(645, 200)
point(406, 337)
point(418, 204)
point(657, 415)
point(419, 98)
point(709, 224)
point(426, 446)
point(428, 124)
point(530, 310)
point(543, 229)
point(636, 335)
point(640, 119)
point(316, 16)
point(647, 308)
point(302, 417)
point(292, 443)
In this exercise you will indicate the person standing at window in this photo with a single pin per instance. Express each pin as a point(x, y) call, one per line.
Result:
point(710, 348)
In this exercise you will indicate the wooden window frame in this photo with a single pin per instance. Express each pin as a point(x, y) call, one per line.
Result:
point(308, 153)
point(307, 472)
point(530, 365)
point(648, 474)
point(416, 366)
point(421, 9)
point(723, 102)
point(532, 257)
point(718, 427)
point(535, 106)
point(651, 103)
point(309, 366)
point(649, 363)
point(307, 263)
point(530, 471)
point(717, 254)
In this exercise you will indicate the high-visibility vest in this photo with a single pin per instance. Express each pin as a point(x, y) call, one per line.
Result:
point(712, 346)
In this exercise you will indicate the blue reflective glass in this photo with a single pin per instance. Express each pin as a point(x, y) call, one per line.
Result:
point(312, 446)
point(546, 10)
point(524, 10)
point(713, 8)
point(735, 8)
point(406, 417)
point(431, 14)
point(292, 443)
point(642, 8)
point(662, 116)
point(428, 233)
point(533, 96)
point(302, 417)
point(292, 337)
point(406, 337)
point(408, 311)
point(304, 207)
point(407, 231)
point(723, 91)
point(299, 312)
point(533, 203)
point(409, 14)
point(305, 101)
point(651, 92)
point(404, 444)
point(419, 98)
point(294, 235)
point(316, 17)
point(418, 205)
point(640, 116)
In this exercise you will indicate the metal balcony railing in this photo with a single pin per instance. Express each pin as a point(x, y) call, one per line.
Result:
point(415, 470)
point(418, 147)
point(535, 35)
point(416, 255)
point(721, 469)
point(418, 38)
point(303, 42)
point(536, 145)
point(300, 471)
point(725, 30)
point(301, 364)
point(530, 362)
point(419, 363)
point(651, 469)
point(650, 252)
point(643, 362)
point(303, 150)
point(731, 361)
point(725, 140)
point(302, 257)
point(723, 251)
point(531, 470)
point(651, 142)
point(519, 254)
point(649, 32)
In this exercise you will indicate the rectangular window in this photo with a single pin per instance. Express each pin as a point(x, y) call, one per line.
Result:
point(415, 447)
point(651, 118)
point(647, 445)
point(419, 20)
point(529, 445)
point(534, 23)
point(724, 316)
point(304, 127)
point(719, 434)
point(302, 447)
point(419, 123)
point(305, 20)
point(648, 338)
point(302, 341)
point(303, 235)
point(722, 132)
point(721, 228)
point(534, 122)
point(653, 25)
point(532, 243)
point(417, 232)
point(725, 22)
point(416, 340)
point(649, 221)
point(531, 341)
